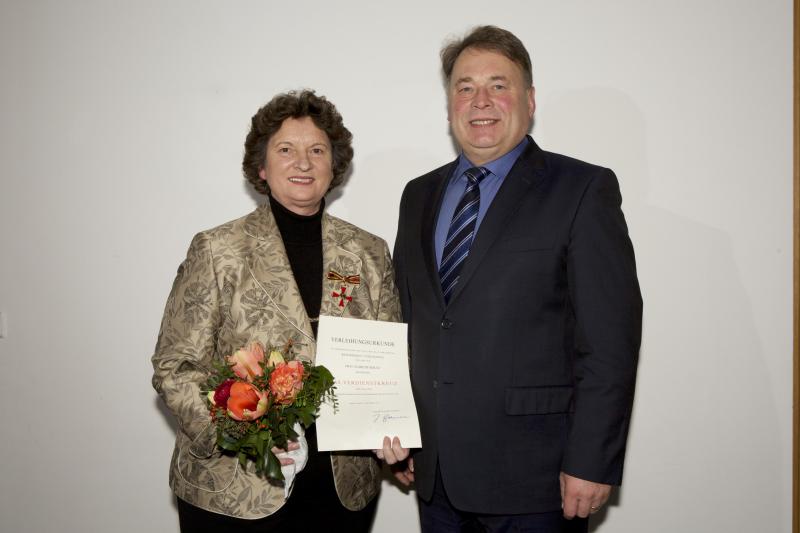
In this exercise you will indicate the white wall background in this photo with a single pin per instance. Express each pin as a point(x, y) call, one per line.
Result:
point(121, 129)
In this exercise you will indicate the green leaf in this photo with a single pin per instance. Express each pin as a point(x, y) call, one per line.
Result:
point(261, 464)
point(306, 418)
point(227, 443)
point(273, 466)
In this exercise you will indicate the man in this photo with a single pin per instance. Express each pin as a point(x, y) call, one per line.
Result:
point(518, 282)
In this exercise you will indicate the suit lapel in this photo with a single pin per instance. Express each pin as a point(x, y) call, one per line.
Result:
point(526, 175)
point(343, 292)
point(433, 202)
point(269, 266)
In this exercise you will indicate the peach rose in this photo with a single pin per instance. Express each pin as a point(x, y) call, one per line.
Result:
point(246, 362)
point(286, 381)
point(246, 402)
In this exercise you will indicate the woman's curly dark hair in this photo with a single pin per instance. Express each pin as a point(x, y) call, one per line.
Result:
point(296, 104)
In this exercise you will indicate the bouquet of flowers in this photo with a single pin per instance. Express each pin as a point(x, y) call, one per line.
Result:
point(256, 399)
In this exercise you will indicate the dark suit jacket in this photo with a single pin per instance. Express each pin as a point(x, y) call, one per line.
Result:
point(530, 369)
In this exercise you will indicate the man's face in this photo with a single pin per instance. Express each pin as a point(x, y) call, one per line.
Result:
point(489, 107)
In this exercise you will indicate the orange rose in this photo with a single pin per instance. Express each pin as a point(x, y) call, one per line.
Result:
point(246, 362)
point(286, 381)
point(246, 402)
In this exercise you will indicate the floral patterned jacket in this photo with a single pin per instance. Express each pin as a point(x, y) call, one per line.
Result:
point(235, 287)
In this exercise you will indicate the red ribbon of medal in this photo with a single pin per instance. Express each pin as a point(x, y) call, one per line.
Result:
point(352, 280)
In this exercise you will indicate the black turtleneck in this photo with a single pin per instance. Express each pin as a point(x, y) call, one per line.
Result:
point(302, 238)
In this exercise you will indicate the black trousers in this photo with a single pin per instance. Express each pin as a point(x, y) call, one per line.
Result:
point(439, 516)
point(314, 518)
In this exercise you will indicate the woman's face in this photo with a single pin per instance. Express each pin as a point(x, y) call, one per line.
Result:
point(299, 165)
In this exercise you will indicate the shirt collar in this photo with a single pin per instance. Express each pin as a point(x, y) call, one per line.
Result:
point(498, 168)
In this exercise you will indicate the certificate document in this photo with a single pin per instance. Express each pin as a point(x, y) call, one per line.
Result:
point(369, 363)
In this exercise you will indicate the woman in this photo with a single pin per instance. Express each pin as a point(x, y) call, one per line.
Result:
point(267, 277)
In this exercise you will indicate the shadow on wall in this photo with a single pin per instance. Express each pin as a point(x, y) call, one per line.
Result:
point(704, 433)
point(170, 421)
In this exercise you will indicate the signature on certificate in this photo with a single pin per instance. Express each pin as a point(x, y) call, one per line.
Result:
point(383, 416)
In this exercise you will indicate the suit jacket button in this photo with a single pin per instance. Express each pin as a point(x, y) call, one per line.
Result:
point(446, 323)
point(435, 384)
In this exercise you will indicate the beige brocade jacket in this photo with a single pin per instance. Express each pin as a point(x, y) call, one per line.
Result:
point(235, 287)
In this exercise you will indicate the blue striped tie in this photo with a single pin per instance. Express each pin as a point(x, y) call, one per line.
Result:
point(461, 232)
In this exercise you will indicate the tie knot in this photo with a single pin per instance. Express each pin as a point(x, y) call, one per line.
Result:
point(476, 174)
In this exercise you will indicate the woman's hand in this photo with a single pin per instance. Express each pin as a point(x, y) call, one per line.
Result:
point(293, 445)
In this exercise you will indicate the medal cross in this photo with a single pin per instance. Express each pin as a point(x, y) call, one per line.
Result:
point(342, 295)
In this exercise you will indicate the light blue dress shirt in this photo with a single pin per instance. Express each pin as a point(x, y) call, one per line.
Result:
point(457, 184)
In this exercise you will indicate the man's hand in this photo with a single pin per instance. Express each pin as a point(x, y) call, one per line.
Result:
point(580, 497)
point(404, 471)
point(395, 456)
point(392, 452)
